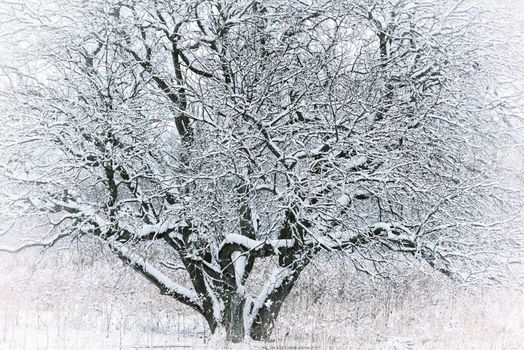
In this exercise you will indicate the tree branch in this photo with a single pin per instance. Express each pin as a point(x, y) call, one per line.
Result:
point(155, 276)
point(43, 244)
point(235, 242)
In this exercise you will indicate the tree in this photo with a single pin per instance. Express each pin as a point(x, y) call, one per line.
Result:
point(234, 133)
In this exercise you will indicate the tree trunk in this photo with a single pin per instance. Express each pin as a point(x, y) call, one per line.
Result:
point(266, 315)
point(234, 318)
point(264, 321)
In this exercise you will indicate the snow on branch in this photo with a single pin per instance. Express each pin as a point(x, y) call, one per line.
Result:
point(405, 241)
point(393, 231)
point(277, 278)
point(157, 229)
point(42, 244)
point(234, 242)
point(157, 277)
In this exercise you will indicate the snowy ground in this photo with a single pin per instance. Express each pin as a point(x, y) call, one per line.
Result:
point(62, 302)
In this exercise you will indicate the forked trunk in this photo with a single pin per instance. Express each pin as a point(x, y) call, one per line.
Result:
point(256, 319)
point(234, 323)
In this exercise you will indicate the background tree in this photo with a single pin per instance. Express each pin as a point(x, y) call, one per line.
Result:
point(226, 134)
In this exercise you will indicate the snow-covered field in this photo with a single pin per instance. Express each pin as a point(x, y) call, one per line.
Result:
point(52, 302)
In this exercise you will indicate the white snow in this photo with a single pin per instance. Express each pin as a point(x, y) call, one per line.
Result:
point(253, 244)
point(282, 243)
point(356, 162)
point(239, 264)
point(246, 242)
point(158, 228)
point(343, 200)
point(382, 226)
point(275, 280)
point(161, 278)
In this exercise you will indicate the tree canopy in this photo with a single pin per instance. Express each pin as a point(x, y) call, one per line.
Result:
point(230, 132)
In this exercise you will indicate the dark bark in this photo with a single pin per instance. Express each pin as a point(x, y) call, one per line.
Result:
point(266, 316)
point(234, 317)
point(296, 258)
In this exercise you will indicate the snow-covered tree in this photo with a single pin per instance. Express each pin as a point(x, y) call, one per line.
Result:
point(227, 134)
